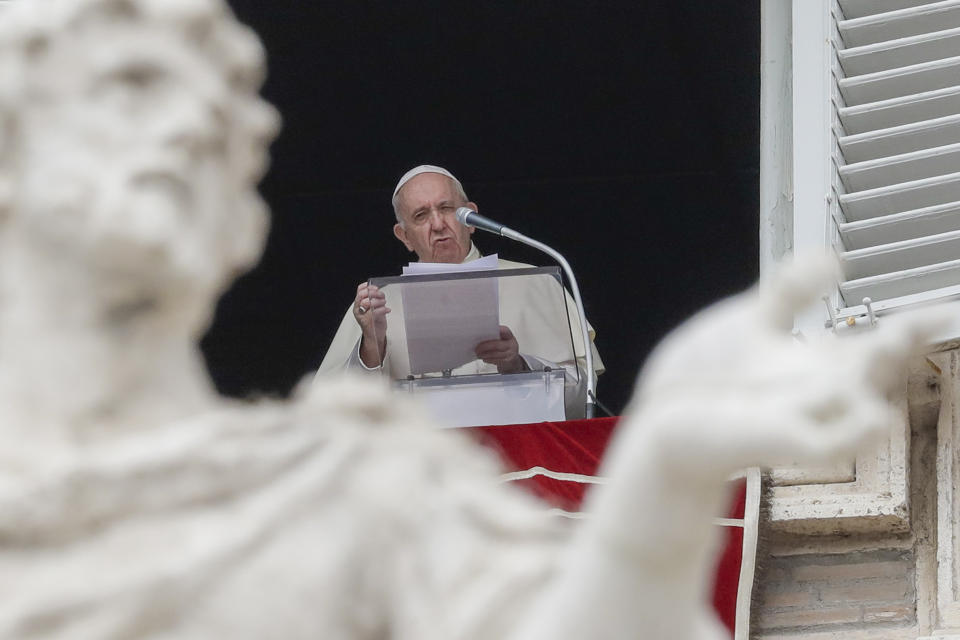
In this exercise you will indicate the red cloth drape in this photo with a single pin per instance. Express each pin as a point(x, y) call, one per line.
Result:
point(577, 447)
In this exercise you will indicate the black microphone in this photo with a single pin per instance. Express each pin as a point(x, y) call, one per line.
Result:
point(470, 218)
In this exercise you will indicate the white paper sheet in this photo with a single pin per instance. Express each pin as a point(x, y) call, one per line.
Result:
point(486, 263)
point(446, 320)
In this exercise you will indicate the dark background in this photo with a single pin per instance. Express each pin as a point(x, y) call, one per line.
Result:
point(623, 134)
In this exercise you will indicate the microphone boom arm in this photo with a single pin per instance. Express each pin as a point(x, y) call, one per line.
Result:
point(590, 407)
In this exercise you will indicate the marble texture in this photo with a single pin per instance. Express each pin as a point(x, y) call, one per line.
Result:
point(135, 503)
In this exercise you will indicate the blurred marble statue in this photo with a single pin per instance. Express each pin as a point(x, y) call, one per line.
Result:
point(135, 503)
point(132, 140)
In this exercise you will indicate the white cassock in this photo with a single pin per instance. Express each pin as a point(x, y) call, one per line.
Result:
point(532, 310)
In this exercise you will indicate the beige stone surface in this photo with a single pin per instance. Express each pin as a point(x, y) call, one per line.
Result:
point(896, 580)
point(816, 592)
point(135, 503)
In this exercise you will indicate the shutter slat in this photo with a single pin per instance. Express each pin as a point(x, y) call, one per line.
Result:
point(903, 139)
point(943, 294)
point(900, 82)
point(892, 54)
point(899, 111)
point(902, 197)
point(902, 283)
point(907, 167)
point(896, 157)
point(901, 226)
point(901, 255)
point(860, 8)
point(901, 23)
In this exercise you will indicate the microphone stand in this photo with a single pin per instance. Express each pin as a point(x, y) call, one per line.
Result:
point(507, 232)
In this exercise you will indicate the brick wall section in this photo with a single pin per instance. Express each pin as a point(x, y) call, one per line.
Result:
point(833, 592)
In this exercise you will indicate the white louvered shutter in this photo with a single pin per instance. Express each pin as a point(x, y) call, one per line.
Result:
point(896, 151)
point(859, 135)
point(876, 148)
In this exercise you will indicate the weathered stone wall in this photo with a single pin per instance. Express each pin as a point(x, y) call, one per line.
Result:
point(868, 584)
point(838, 592)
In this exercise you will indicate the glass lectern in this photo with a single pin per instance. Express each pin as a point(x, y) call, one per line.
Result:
point(436, 322)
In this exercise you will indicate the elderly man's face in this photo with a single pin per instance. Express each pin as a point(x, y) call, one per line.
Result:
point(130, 155)
point(430, 229)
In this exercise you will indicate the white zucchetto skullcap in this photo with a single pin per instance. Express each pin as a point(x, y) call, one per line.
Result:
point(424, 168)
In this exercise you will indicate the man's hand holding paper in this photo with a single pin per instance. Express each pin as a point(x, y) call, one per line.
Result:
point(504, 353)
point(456, 324)
point(445, 321)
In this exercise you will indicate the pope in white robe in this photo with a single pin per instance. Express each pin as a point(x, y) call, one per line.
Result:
point(539, 321)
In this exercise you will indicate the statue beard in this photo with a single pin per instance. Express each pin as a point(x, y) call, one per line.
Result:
point(131, 238)
point(140, 240)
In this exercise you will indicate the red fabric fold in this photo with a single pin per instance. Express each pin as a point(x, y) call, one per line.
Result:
point(577, 447)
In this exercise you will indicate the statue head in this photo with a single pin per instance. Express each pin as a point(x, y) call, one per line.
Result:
point(132, 138)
